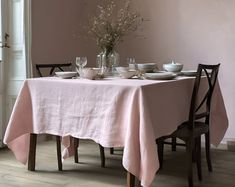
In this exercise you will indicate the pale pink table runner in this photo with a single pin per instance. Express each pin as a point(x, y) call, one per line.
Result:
point(113, 112)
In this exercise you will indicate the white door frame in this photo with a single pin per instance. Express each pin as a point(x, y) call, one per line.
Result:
point(17, 62)
point(28, 36)
point(3, 3)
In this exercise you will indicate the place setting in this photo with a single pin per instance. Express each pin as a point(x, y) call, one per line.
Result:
point(141, 71)
point(170, 71)
point(81, 72)
point(146, 71)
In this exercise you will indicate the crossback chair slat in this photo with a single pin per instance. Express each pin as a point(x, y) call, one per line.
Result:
point(52, 68)
point(211, 80)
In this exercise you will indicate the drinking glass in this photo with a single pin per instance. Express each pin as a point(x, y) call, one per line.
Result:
point(81, 62)
point(131, 63)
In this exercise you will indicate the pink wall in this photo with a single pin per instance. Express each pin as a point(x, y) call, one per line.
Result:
point(187, 31)
point(55, 31)
point(190, 32)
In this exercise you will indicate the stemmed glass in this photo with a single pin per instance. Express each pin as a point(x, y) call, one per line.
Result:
point(81, 62)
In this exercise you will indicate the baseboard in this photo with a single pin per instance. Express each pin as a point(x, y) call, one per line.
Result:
point(231, 145)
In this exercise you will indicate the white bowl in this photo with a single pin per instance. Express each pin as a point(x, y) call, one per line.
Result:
point(90, 73)
point(122, 69)
point(173, 67)
point(147, 67)
point(127, 74)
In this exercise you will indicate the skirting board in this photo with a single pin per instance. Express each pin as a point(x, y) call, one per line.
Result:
point(231, 145)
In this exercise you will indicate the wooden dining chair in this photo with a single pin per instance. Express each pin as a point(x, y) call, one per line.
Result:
point(51, 67)
point(33, 137)
point(198, 123)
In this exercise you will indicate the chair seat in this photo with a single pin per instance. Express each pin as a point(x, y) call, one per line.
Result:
point(184, 133)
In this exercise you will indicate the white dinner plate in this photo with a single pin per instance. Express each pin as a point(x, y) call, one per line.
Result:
point(189, 72)
point(66, 74)
point(160, 76)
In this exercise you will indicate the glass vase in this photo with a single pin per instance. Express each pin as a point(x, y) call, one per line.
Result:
point(107, 62)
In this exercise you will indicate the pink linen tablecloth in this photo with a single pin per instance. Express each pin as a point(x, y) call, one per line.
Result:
point(112, 112)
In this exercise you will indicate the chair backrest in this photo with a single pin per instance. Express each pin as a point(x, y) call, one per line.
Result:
point(210, 72)
point(52, 67)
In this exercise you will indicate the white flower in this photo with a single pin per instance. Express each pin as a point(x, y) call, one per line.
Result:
point(108, 28)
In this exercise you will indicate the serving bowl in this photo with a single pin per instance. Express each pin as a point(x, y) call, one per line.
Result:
point(173, 67)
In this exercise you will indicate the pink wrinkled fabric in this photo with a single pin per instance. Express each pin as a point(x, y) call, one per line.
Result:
point(112, 112)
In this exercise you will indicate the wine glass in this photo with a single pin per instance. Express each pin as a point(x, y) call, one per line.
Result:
point(81, 62)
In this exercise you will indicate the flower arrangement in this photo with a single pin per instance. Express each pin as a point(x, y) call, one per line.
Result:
point(109, 26)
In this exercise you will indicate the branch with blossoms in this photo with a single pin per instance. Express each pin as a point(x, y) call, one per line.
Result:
point(109, 26)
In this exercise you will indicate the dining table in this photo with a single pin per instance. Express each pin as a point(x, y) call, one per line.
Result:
point(113, 112)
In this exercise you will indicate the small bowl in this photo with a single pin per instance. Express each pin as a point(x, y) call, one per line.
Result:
point(122, 69)
point(90, 73)
point(127, 74)
point(147, 67)
point(173, 67)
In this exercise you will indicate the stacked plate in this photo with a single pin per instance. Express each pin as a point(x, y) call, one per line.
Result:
point(189, 73)
point(66, 74)
point(160, 76)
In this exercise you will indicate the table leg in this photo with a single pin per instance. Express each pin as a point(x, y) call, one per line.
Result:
point(102, 156)
point(130, 180)
point(32, 152)
point(111, 150)
point(59, 159)
point(76, 143)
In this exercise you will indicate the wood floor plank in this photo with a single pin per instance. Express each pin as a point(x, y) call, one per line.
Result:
point(88, 173)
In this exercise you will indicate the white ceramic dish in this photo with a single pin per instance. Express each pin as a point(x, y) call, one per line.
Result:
point(147, 67)
point(189, 72)
point(90, 73)
point(173, 67)
point(122, 69)
point(160, 76)
point(66, 74)
point(127, 74)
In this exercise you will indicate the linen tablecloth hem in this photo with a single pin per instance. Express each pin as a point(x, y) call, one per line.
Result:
point(108, 144)
point(144, 183)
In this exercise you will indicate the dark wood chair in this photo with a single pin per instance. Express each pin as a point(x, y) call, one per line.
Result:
point(198, 123)
point(33, 137)
point(52, 68)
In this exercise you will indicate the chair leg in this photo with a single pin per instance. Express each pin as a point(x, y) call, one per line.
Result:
point(76, 144)
point(173, 146)
point(198, 158)
point(160, 149)
point(208, 155)
point(59, 159)
point(189, 149)
point(111, 150)
point(32, 152)
point(130, 180)
point(102, 156)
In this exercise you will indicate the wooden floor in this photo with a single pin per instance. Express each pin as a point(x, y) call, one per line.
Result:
point(89, 174)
